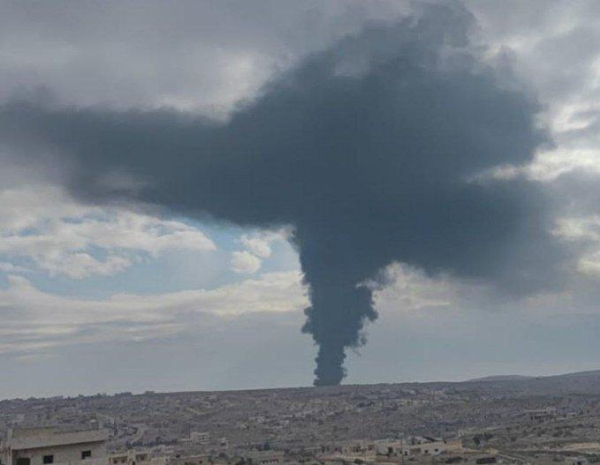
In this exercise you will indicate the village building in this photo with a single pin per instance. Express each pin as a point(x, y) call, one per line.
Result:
point(48, 446)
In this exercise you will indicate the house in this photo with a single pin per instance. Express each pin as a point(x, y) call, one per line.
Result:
point(47, 446)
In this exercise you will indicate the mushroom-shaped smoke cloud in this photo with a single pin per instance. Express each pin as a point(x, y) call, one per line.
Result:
point(371, 150)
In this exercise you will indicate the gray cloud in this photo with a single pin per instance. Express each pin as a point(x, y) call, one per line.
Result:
point(194, 55)
point(368, 149)
point(552, 44)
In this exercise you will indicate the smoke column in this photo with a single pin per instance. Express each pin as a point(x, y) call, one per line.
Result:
point(373, 151)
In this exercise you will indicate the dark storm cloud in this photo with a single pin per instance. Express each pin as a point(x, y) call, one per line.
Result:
point(368, 149)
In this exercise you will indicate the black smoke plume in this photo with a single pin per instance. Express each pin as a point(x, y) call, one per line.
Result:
point(371, 150)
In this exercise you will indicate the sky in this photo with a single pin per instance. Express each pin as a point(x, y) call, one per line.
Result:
point(178, 183)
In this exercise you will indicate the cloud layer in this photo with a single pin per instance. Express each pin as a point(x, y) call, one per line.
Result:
point(32, 320)
point(48, 230)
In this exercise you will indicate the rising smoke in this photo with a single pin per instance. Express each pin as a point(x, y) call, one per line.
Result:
point(370, 150)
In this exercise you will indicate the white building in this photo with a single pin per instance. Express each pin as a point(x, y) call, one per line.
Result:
point(417, 446)
point(47, 446)
point(268, 457)
point(135, 457)
point(428, 446)
point(200, 437)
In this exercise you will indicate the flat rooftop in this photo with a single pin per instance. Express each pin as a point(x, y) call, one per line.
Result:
point(36, 438)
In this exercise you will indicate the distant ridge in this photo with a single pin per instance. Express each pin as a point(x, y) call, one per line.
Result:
point(581, 382)
point(491, 379)
point(577, 374)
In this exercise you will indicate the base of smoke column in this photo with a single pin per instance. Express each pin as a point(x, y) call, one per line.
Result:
point(330, 370)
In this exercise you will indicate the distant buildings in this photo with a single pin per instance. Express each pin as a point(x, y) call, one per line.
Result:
point(372, 451)
point(268, 457)
point(190, 460)
point(201, 438)
point(135, 457)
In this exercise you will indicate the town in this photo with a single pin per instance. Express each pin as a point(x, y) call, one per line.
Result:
point(498, 420)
